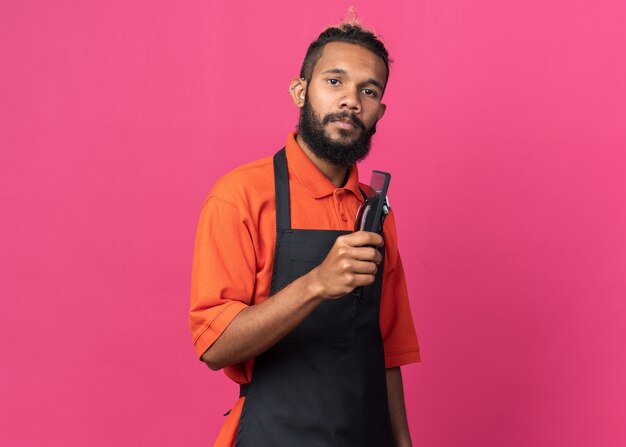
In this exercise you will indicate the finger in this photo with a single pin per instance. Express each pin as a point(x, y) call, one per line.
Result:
point(361, 238)
point(364, 267)
point(363, 279)
point(366, 254)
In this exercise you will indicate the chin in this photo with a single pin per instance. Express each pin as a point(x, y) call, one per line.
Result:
point(344, 136)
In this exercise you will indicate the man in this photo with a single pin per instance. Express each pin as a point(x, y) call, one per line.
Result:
point(276, 266)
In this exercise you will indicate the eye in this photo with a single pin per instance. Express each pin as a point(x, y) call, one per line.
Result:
point(369, 92)
point(333, 81)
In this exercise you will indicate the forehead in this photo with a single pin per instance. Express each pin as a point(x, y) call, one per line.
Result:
point(355, 59)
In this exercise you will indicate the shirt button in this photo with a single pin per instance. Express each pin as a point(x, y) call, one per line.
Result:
point(340, 197)
point(343, 217)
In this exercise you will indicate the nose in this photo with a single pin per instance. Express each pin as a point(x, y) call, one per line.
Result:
point(351, 100)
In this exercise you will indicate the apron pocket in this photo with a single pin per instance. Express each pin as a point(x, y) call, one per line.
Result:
point(332, 321)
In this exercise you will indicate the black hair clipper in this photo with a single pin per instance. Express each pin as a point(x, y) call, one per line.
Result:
point(374, 209)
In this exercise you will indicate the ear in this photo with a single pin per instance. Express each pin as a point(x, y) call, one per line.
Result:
point(381, 110)
point(297, 90)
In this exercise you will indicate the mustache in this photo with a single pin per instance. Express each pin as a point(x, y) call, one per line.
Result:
point(342, 116)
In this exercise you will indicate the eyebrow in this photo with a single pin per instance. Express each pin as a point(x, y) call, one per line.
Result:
point(342, 71)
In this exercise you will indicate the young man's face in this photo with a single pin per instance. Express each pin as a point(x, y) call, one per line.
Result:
point(342, 103)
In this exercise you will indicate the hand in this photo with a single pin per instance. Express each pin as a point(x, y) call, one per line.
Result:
point(352, 262)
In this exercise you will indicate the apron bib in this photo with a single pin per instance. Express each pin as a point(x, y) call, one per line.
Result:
point(324, 384)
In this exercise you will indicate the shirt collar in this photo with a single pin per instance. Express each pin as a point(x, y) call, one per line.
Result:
point(311, 177)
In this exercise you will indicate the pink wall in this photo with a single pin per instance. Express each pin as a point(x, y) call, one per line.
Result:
point(506, 136)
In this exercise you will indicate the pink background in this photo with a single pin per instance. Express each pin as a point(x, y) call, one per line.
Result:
point(506, 136)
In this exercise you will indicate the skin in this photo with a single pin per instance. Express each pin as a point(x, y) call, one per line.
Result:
point(349, 78)
point(346, 77)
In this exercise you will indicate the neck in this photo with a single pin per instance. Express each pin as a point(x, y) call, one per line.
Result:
point(335, 174)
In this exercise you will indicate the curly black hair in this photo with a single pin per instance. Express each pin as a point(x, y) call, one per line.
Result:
point(347, 32)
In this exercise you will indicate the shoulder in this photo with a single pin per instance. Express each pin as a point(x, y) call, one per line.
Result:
point(246, 183)
point(367, 189)
point(390, 234)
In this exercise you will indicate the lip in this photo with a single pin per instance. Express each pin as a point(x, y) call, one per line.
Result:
point(345, 124)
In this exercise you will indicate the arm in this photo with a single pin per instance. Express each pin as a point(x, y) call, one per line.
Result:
point(349, 264)
point(397, 413)
point(400, 341)
point(256, 328)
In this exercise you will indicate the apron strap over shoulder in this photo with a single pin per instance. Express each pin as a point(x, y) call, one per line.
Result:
point(281, 187)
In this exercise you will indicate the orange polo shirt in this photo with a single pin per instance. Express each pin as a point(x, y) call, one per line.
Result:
point(234, 252)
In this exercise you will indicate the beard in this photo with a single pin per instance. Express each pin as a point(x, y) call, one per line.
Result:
point(338, 153)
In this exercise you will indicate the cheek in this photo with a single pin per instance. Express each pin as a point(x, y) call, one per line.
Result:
point(320, 106)
point(373, 116)
point(370, 120)
point(322, 101)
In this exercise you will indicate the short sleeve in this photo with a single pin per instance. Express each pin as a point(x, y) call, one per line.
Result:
point(396, 322)
point(223, 272)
